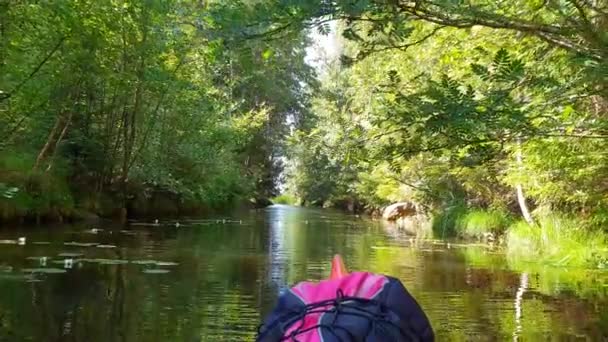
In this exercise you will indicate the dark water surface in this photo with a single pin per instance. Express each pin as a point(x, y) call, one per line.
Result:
point(211, 280)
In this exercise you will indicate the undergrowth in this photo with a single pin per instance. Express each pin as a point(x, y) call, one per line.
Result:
point(39, 193)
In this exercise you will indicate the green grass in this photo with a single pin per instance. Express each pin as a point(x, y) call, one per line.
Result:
point(558, 240)
point(444, 223)
point(477, 223)
point(458, 220)
point(285, 199)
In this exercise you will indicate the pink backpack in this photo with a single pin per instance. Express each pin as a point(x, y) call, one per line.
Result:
point(360, 306)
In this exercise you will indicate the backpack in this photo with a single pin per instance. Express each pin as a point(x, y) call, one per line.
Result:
point(360, 306)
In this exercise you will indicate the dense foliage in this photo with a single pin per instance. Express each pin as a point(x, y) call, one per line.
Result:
point(140, 105)
point(479, 112)
point(434, 102)
point(482, 113)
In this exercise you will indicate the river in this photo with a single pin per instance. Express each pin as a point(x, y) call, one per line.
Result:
point(212, 279)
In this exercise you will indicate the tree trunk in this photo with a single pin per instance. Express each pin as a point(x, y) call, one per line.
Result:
point(59, 139)
point(47, 146)
point(130, 118)
point(521, 198)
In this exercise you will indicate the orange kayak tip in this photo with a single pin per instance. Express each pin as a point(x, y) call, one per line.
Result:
point(338, 270)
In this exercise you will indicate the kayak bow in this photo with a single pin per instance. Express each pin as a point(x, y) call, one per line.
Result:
point(338, 270)
point(356, 306)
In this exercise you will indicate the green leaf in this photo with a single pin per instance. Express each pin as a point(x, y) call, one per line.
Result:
point(267, 54)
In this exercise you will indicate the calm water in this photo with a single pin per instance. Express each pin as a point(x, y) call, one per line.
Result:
point(211, 280)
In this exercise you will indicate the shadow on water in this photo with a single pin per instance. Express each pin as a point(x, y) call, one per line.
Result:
point(212, 279)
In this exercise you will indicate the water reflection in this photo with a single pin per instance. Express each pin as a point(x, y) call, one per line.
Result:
point(523, 286)
point(213, 279)
point(277, 250)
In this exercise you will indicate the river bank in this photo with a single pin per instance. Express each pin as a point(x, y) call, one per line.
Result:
point(53, 201)
point(554, 238)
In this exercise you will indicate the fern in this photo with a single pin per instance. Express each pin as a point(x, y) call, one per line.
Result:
point(480, 71)
point(324, 29)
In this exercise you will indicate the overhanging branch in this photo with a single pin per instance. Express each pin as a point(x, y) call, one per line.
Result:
point(5, 96)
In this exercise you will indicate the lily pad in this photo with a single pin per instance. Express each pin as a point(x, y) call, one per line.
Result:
point(106, 246)
point(144, 262)
point(155, 271)
point(145, 224)
point(11, 276)
point(70, 255)
point(49, 270)
point(32, 280)
point(80, 244)
point(166, 263)
point(37, 258)
point(110, 261)
point(64, 261)
point(88, 260)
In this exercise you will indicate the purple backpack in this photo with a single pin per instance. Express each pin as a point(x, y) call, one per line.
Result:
point(359, 306)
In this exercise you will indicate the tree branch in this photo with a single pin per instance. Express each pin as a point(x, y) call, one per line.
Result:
point(5, 96)
point(553, 34)
point(404, 47)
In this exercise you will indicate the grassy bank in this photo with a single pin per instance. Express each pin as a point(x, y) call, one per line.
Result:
point(58, 194)
point(559, 240)
point(555, 238)
point(457, 220)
